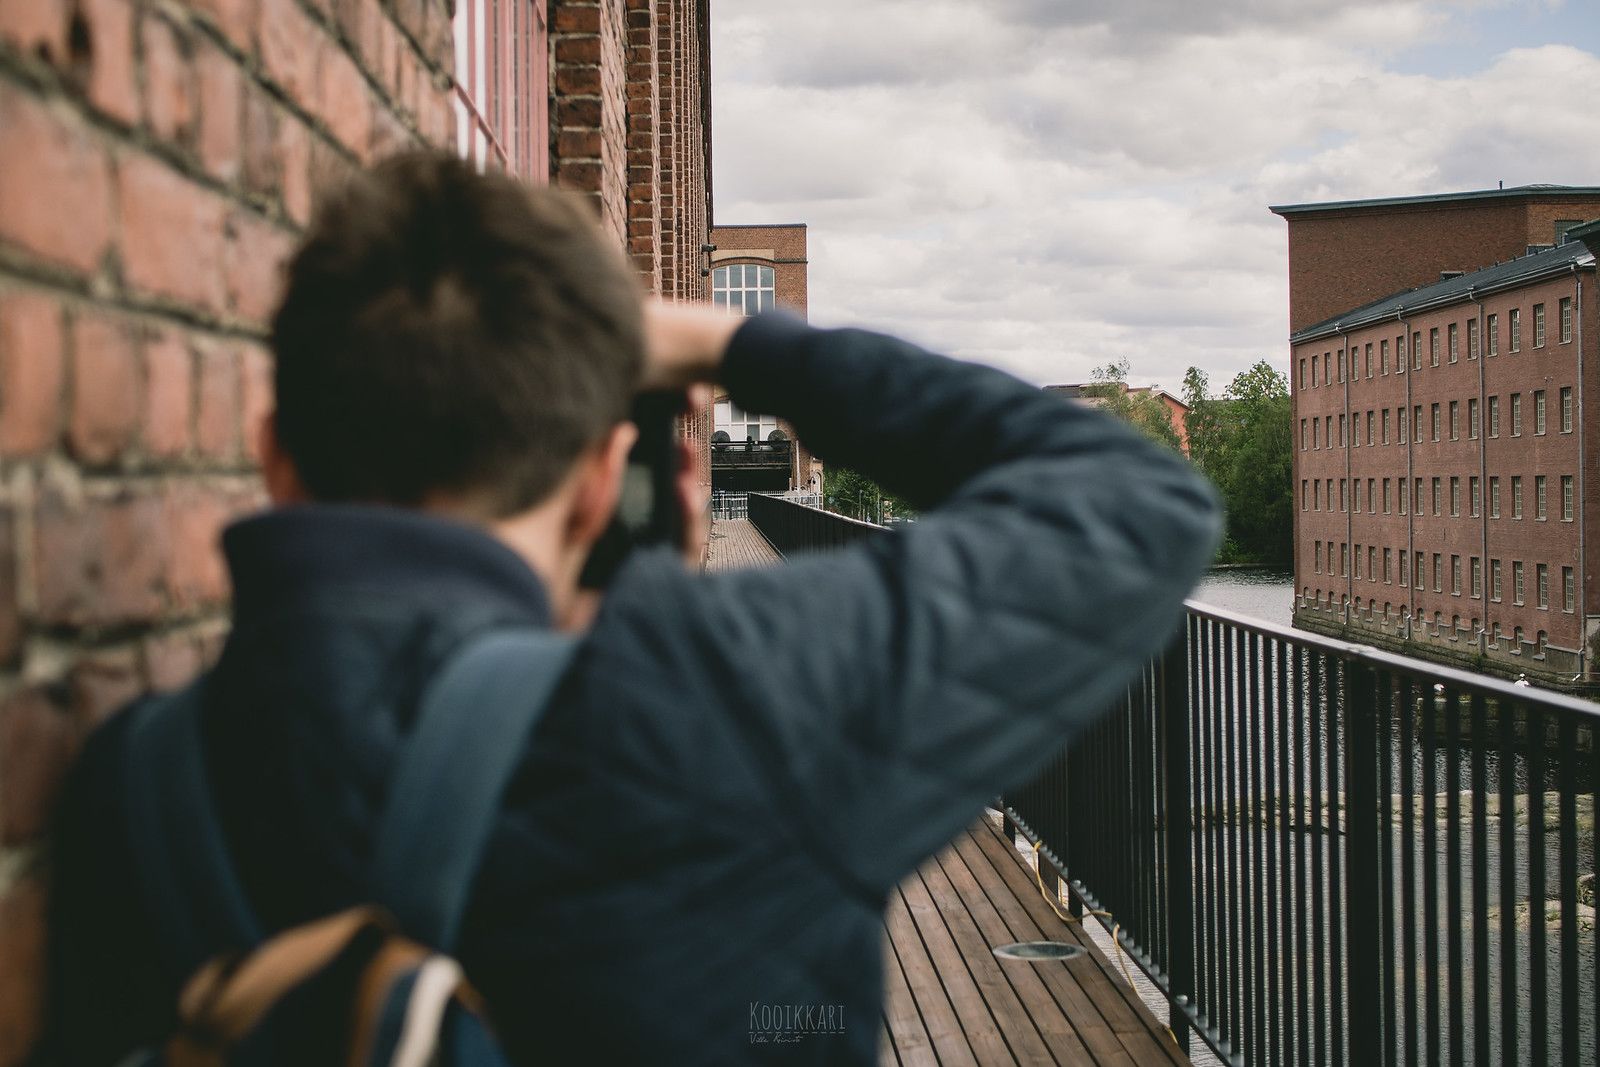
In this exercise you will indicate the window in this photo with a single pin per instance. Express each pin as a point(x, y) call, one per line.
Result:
point(1433, 346)
point(1316, 496)
point(1400, 354)
point(1472, 338)
point(1516, 496)
point(1455, 420)
point(1438, 573)
point(1355, 429)
point(1455, 575)
point(1356, 564)
point(1566, 319)
point(1435, 413)
point(1516, 582)
point(1538, 497)
point(1369, 427)
point(1516, 414)
point(1313, 372)
point(1416, 349)
point(1368, 359)
point(1477, 578)
point(1388, 560)
point(1355, 496)
point(1302, 372)
point(1302, 435)
point(1538, 411)
point(1566, 409)
point(1344, 561)
point(1494, 416)
point(1342, 438)
point(1417, 435)
point(1383, 357)
point(741, 425)
point(1372, 564)
point(1541, 585)
point(1405, 573)
point(501, 97)
point(1494, 580)
point(1454, 341)
point(1516, 329)
point(1419, 562)
point(743, 288)
point(1416, 498)
point(1316, 552)
point(1386, 496)
point(1327, 431)
point(1472, 418)
point(1538, 326)
point(1494, 496)
point(1341, 364)
point(1327, 367)
point(1436, 487)
point(1386, 425)
point(1566, 498)
point(1492, 328)
point(1305, 495)
point(1403, 495)
point(1400, 414)
point(1455, 496)
point(1475, 495)
point(1569, 590)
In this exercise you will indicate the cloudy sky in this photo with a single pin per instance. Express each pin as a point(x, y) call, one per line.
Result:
point(1048, 185)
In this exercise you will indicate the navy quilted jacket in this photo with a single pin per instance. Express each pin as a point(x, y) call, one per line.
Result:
point(739, 765)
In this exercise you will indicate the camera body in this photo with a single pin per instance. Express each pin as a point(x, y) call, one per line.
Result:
point(648, 512)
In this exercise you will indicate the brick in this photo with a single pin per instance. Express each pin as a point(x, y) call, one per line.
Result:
point(168, 395)
point(99, 563)
point(10, 609)
point(579, 81)
point(32, 372)
point(104, 411)
point(358, 22)
point(221, 93)
point(583, 50)
point(291, 49)
point(55, 186)
point(38, 27)
point(170, 660)
point(262, 162)
point(255, 397)
point(23, 910)
point(103, 682)
point(169, 80)
point(235, 18)
point(111, 84)
point(217, 421)
point(573, 17)
point(37, 743)
point(294, 155)
point(172, 234)
point(195, 517)
point(579, 144)
point(252, 266)
point(344, 101)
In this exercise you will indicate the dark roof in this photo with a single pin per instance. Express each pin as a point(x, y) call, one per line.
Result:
point(1516, 192)
point(1561, 259)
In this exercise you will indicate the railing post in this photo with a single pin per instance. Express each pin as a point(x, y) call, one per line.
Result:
point(1363, 884)
point(1173, 724)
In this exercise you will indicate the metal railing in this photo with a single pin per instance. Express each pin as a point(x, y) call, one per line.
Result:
point(1324, 854)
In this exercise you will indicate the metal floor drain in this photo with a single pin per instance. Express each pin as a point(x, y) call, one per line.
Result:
point(1039, 951)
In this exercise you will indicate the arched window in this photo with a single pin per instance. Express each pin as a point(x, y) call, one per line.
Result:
point(743, 288)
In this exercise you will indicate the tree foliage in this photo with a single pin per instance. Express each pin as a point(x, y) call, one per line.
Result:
point(1242, 441)
point(846, 492)
point(1146, 410)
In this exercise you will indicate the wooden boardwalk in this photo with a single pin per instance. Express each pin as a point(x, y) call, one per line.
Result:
point(947, 998)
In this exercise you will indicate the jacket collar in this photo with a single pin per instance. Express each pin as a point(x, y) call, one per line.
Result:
point(289, 554)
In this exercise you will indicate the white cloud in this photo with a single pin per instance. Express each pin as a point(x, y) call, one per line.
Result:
point(1050, 186)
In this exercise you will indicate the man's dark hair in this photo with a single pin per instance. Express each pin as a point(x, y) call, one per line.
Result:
point(445, 331)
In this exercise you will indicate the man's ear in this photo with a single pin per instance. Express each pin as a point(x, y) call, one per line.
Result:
point(599, 484)
point(277, 469)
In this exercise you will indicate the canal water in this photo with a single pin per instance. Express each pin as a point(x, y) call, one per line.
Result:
point(1257, 592)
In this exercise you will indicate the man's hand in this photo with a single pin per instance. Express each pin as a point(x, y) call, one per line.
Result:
point(684, 343)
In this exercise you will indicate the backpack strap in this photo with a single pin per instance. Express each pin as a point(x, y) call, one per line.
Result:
point(189, 882)
point(471, 732)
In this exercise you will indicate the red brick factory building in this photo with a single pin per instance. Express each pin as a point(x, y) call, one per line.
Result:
point(1444, 353)
point(156, 164)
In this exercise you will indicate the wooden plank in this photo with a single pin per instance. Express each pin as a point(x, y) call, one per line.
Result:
point(1011, 1017)
point(913, 1047)
point(886, 1054)
point(1117, 1004)
point(944, 1031)
point(1053, 1024)
point(976, 1020)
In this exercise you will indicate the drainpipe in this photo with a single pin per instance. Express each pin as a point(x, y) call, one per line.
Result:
point(1483, 478)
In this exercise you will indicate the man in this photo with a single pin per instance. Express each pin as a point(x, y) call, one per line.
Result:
point(737, 767)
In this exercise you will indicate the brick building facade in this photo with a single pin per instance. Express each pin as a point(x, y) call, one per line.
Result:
point(754, 268)
point(159, 162)
point(1445, 476)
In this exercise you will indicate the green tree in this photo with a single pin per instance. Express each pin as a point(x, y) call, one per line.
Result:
point(846, 492)
point(1146, 410)
point(1242, 441)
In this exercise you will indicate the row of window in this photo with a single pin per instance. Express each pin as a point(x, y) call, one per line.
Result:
point(1427, 496)
point(1360, 358)
point(1335, 601)
point(1415, 572)
point(1384, 426)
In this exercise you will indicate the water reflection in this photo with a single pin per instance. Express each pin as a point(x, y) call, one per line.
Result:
point(1257, 592)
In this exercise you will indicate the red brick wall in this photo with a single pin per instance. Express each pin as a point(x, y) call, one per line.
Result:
point(1340, 260)
point(1549, 368)
point(158, 161)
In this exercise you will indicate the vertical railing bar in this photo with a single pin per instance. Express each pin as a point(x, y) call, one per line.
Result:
point(1538, 980)
point(1205, 980)
point(1480, 881)
point(1455, 995)
point(1362, 889)
point(1567, 745)
point(1287, 657)
point(1430, 874)
point(1218, 1008)
point(1338, 893)
point(1258, 1000)
point(1272, 717)
point(1387, 751)
point(1509, 1007)
point(1316, 741)
point(1305, 694)
point(1175, 714)
point(1408, 864)
point(1238, 943)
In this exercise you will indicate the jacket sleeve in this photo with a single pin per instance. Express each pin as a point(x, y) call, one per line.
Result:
point(897, 686)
